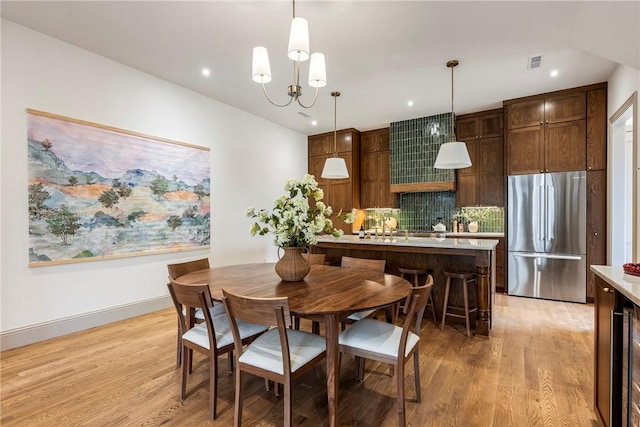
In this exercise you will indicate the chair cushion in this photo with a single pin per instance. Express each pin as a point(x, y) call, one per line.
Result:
point(199, 335)
point(377, 337)
point(266, 353)
point(359, 315)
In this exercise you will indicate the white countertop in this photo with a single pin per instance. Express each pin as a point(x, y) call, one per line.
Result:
point(626, 284)
point(475, 235)
point(465, 234)
point(421, 242)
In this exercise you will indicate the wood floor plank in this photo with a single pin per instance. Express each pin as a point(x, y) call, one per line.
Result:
point(535, 370)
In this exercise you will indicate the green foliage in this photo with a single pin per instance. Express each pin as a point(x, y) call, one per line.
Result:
point(133, 216)
point(159, 186)
point(109, 198)
point(88, 179)
point(73, 181)
point(174, 222)
point(124, 191)
point(85, 254)
point(63, 223)
point(199, 191)
point(191, 211)
point(37, 196)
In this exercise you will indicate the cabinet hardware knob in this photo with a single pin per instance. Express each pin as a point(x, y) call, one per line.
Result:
point(589, 168)
point(595, 234)
point(606, 289)
point(541, 123)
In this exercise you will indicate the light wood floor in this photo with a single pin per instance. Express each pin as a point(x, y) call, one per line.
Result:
point(535, 370)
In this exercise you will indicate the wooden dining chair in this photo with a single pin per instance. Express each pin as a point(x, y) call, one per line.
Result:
point(281, 354)
point(312, 259)
point(212, 337)
point(180, 269)
point(388, 343)
point(365, 264)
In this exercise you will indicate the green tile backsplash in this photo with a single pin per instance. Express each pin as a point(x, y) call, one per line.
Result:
point(414, 145)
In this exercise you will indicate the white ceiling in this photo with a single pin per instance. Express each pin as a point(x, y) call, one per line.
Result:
point(379, 54)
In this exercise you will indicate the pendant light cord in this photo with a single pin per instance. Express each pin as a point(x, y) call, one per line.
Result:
point(451, 64)
point(335, 122)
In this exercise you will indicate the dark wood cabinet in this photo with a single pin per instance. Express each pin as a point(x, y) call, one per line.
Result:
point(375, 169)
point(482, 184)
point(340, 194)
point(604, 305)
point(547, 133)
point(596, 224)
point(607, 354)
point(597, 129)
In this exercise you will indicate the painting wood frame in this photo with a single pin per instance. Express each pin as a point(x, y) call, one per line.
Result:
point(97, 192)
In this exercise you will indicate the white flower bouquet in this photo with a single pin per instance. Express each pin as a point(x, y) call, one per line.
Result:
point(293, 222)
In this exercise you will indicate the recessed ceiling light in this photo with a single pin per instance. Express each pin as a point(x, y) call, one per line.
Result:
point(410, 103)
point(314, 122)
point(206, 72)
point(553, 73)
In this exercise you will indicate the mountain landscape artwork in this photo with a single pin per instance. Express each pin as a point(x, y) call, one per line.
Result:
point(97, 192)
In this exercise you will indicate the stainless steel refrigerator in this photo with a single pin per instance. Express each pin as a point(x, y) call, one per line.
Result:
point(547, 236)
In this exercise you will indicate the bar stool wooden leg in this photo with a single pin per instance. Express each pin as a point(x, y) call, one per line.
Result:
point(446, 302)
point(465, 292)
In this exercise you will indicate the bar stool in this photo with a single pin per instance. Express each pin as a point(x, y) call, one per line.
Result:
point(466, 280)
point(406, 273)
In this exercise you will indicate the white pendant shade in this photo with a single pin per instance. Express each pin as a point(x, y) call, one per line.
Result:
point(335, 168)
point(317, 70)
point(299, 40)
point(261, 69)
point(453, 155)
point(298, 51)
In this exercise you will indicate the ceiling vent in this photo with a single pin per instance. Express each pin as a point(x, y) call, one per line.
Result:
point(534, 62)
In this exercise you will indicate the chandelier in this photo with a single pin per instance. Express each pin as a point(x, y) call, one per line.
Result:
point(298, 52)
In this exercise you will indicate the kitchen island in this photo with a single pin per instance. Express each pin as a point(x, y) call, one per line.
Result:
point(436, 254)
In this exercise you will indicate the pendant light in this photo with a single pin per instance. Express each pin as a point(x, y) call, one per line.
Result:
point(452, 154)
point(335, 167)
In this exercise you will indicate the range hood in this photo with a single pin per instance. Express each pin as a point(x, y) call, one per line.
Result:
point(414, 146)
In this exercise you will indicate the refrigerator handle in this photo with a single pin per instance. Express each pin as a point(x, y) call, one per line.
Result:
point(549, 196)
point(541, 209)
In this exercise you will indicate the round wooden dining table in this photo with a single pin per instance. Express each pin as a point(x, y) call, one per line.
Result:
point(329, 292)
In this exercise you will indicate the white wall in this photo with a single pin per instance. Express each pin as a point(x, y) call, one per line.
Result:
point(46, 74)
point(621, 85)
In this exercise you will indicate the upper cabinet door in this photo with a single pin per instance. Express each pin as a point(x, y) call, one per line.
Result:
point(565, 108)
point(525, 114)
point(525, 150)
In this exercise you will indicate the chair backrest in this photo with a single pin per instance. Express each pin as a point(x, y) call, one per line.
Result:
point(261, 311)
point(315, 259)
point(419, 297)
point(193, 296)
point(363, 263)
point(428, 281)
point(179, 269)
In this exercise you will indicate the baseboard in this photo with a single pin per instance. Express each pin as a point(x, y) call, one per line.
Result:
point(33, 333)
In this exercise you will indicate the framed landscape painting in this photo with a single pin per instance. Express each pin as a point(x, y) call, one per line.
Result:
point(97, 192)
